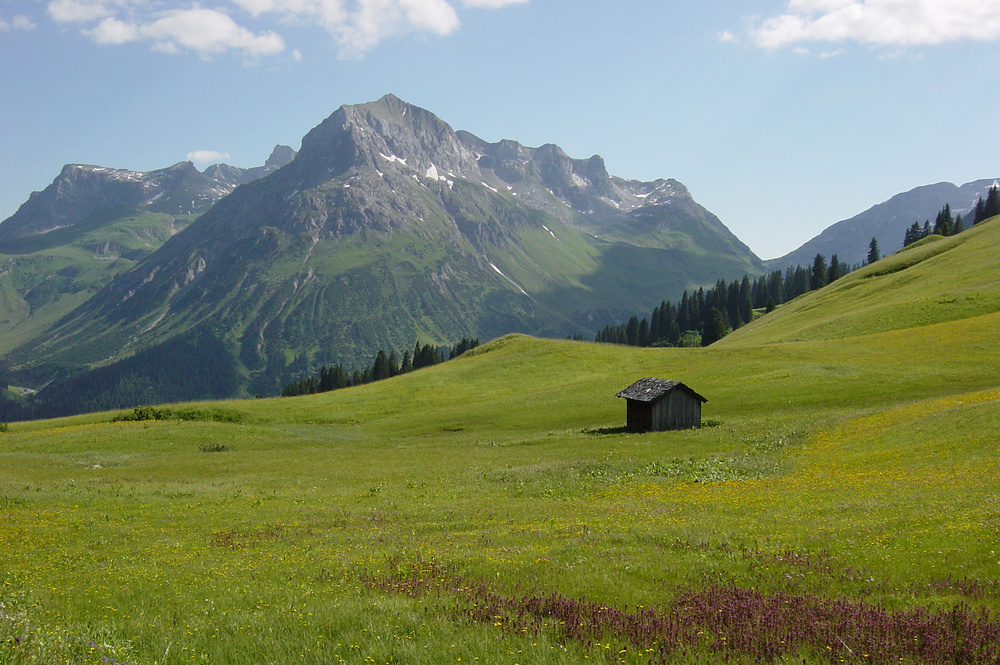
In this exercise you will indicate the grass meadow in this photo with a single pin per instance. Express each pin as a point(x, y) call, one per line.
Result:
point(840, 505)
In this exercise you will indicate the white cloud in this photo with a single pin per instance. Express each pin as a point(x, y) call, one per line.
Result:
point(726, 36)
point(207, 31)
point(881, 22)
point(16, 23)
point(431, 15)
point(197, 29)
point(78, 11)
point(207, 156)
point(113, 31)
point(359, 25)
point(211, 26)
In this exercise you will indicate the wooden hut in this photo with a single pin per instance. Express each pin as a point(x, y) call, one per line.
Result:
point(655, 405)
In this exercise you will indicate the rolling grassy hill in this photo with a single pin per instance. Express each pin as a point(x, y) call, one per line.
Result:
point(840, 506)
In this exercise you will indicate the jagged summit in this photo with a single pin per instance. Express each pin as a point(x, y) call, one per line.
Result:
point(81, 191)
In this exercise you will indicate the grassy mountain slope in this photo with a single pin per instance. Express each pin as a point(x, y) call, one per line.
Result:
point(44, 277)
point(841, 507)
point(933, 281)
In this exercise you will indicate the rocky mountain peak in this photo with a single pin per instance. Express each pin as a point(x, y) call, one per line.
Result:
point(281, 155)
point(388, 133)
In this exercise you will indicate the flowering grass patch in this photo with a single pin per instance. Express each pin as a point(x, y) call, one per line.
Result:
point(745, 624)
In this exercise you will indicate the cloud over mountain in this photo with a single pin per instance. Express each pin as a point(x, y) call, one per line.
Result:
point(881, 22)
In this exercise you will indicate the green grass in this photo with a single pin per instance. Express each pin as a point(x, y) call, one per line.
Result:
point(855, 462)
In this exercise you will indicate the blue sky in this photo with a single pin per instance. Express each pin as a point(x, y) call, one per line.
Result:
point(781, 116)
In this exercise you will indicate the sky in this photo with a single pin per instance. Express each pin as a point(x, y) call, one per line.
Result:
point(781, 117)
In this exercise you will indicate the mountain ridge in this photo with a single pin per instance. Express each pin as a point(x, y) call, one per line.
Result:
point(388, 227)
point(886, 222)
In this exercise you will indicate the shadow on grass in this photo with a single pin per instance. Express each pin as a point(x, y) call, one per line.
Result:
point(601, 431)
point(623, 429)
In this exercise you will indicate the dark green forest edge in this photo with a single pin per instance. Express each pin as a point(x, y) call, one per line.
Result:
point(335, 377)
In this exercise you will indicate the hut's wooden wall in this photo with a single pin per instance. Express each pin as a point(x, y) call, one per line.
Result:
point(676, 410)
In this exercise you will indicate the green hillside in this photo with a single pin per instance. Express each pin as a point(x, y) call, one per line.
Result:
point(839, 506)
point(932, 281)
point(44, 277)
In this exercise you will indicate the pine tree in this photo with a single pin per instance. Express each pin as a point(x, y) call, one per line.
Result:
point(837, 270)
point(944, 222)
point(643, 332)
point(818, 276)
point(380, 368)
point(959, 225)
point(684, 312)
point(873, 253)
point(746, 300)
point(715, 327)
point(980, 213)
point(732, 304)
point(776, 287)
point(992, 206)
point(632, 331)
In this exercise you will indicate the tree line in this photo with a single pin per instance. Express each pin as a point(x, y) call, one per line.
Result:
point(947, 225)
point(384, 366)
point(706, 315)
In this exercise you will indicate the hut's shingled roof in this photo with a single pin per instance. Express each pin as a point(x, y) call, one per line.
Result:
point(650, 390)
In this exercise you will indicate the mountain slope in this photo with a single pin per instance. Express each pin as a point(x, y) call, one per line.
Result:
point(92, 223)
point(886, 222)
point(387, 227)
point(934, 281)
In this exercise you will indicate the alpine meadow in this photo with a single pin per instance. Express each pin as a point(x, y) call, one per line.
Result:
point(839, 504)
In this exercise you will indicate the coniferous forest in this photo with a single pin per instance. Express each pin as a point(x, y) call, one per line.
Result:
point(384, 366)
point(707, 315)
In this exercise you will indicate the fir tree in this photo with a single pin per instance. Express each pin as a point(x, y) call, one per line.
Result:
point(746, 300)
point(837, 269)
point(632, 331)
point(980, 212)
point(776, 287)
point(818, 276)
point(644, 332)
point(873, 253)
point(380, 368)
point(715, 327)
point(944, 222)
point(992, 206)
